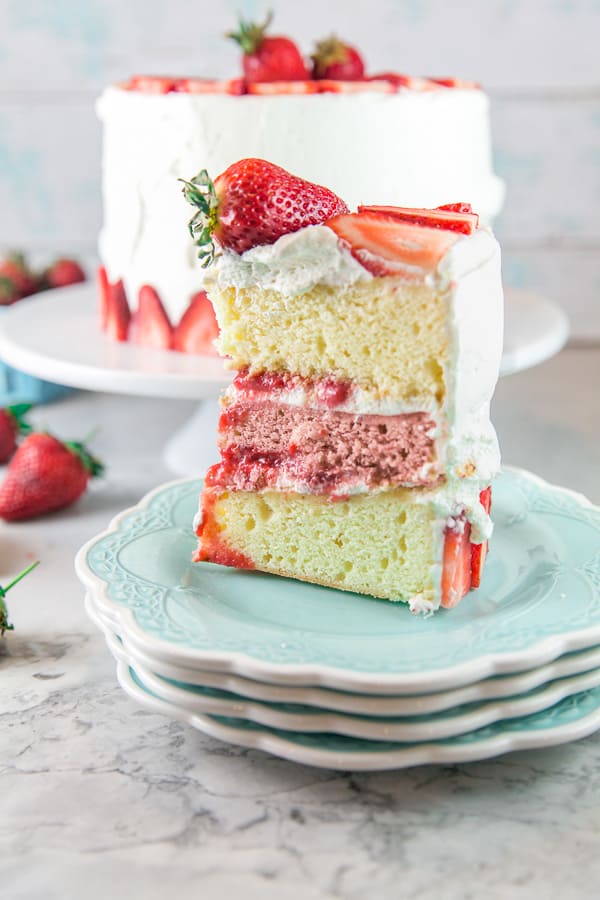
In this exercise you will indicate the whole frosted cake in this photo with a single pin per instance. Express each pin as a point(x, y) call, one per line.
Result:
point(386, 138)
point(356, 445)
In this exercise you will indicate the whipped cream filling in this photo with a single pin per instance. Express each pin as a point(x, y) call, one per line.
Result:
point(292, 265)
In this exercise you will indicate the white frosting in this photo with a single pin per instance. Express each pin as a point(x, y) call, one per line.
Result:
point(411, 148)
point(294, 264)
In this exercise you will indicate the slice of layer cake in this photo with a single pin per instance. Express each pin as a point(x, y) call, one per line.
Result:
point(356, 446)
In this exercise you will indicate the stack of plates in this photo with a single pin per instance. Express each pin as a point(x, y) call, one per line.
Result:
point(333, 679)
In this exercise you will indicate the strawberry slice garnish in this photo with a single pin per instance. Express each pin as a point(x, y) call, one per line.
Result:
point(153, 84)
point(118, 314)
point(103, 295)
point(448, 217)
point(12, 424)
point(268, 58)
point(254, 202)
point(457, 207)
point(200, 86)
point(456, 564)
point(388, 247)
point(328, 86)
point(334, 59)
point(283, 87)
point(150, 325)
point(45, 474)
point(479, 552)
point(210, 86)
point(197, 328)
point(412, 82)
point(457, 83)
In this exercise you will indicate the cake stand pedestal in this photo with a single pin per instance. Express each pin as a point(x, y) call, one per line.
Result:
point(56, 336)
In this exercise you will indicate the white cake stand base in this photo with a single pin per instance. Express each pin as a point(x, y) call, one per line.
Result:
point(55, 336)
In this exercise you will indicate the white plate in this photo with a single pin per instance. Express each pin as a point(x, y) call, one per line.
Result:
point(56, 335)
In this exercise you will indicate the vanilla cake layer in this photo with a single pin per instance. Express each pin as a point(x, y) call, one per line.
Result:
point(413, 148)
point(416, 545)
point(386, 545)
point(387, 337)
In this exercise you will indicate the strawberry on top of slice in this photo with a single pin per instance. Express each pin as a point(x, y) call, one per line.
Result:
point(387, 246)
point(254, 202)
point(452, 217)
point(268, 58)
point(334, 59)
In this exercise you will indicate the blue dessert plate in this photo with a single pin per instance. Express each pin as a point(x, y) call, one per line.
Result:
point(573, 718)
point(539, 599)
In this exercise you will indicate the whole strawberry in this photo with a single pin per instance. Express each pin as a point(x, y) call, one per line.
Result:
point(12, 424)
point(336, 60)
point(62, 273)
point(16, 279)
point(268, 58)
point(45, 474)
point(254, 202)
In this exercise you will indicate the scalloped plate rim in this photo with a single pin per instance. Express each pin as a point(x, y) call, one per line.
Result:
point(415, 703)
point(543, 651)
point(426, 753)
point(261, 714)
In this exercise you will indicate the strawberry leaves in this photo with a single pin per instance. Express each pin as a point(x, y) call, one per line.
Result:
point(4, 623)
point(200, 192)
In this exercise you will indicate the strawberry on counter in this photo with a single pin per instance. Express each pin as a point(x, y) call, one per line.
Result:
point(44, 475)
point(12, 424)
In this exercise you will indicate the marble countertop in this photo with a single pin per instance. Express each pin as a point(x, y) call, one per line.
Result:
point(100, 797)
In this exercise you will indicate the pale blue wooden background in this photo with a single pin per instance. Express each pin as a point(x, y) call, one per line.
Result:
point(538, 59)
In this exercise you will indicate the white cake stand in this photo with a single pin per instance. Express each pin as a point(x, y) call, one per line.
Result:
point(56, 336)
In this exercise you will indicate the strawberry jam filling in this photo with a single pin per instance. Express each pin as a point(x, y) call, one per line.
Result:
point(265, 444)
point(323, 392)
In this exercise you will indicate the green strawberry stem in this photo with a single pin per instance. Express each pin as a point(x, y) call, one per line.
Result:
point(250, 36)
point(200, 192)
point(18, 411)
point(327, 52)
point(91, 463)
point(4, 623)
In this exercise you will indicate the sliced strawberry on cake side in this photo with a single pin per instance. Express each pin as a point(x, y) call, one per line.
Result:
point(150, 325)
point(456, 563)
point(479, 552)
point(197, 329)
point(117, 312)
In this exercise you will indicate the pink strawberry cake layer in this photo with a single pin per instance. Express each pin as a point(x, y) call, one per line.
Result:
point(269, 444)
